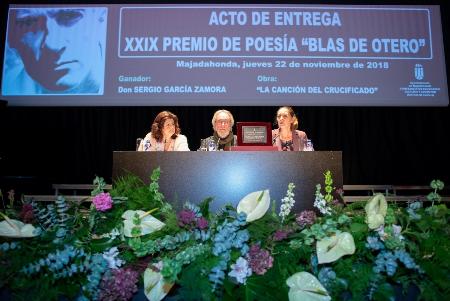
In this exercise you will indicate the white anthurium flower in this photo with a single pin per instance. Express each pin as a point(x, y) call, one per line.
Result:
point(148, 225)
point(14, 228)
point(303, 286)
point(376, 209)
point(255, 205)
point(155, 287)
point(332, 248)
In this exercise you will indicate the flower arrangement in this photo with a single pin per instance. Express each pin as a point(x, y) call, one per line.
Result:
point(131, 242)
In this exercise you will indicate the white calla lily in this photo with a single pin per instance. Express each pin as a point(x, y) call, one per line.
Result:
point(14, 228)
point(155, 287)
point(332, 248)
point(255, 205)
point(376, 209)
point(148, 225)
point(303, 286)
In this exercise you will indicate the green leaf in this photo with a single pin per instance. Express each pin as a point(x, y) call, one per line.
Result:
point(384, 292)
point(200, 289)
point(204, 207)
point(437, 184)
point(156, 174)
point(100, 182)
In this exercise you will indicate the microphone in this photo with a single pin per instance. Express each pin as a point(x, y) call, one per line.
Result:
point(274, 138)
point(138, 143)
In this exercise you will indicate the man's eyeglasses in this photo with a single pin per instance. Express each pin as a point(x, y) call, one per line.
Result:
point(223, 122)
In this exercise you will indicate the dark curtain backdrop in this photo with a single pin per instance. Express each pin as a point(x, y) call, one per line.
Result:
point(380, 145)
point(390, 145)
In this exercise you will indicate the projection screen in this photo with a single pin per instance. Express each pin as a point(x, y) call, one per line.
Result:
point(301, 55)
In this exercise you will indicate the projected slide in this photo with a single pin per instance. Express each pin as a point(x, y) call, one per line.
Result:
point(224, 55)
point(55, 51)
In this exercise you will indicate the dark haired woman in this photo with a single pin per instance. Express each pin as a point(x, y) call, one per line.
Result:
point(165, 135)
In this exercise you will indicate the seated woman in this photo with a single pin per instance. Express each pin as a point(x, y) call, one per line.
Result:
point(286, 137)
point(223, 137)
point(165, 135)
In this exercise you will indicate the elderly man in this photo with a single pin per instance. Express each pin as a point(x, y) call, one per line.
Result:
point(223, 137)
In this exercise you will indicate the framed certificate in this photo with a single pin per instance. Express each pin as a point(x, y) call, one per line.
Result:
point(254, 133)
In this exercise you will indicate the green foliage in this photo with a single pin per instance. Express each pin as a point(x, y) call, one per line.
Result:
point(200, 289)
point(355, 206)
point(287, 261)
point(84, 228)
point(431, 234)
point(430, 291)
point(104, 222)
point(437, 185)
point(263, 288)
point(393, 241)
point(385, 291)
point(261, 229)
point(204, 207)
point(271, 285)
point(139, 196)
point(322, 229)
point(328, 186)
point(188, 259)
point(359, 231)
point(390, 216)
point(434, 195)
point(42, 288)
point(358, 275)
point(172, 266)
point(100, 182)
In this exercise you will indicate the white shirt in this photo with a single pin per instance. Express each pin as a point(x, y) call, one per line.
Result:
point(150, 144)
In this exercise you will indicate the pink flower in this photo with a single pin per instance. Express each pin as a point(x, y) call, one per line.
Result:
point(202, 223)
point(119, 285)
point(340, 191)
point(259, 259)
point(26, 214)
point(102, 201)
point(280, 235)
point(336, 202)
point(306, 218)
point(186, 218)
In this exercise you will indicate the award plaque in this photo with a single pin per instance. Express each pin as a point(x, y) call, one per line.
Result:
point(254, 133)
